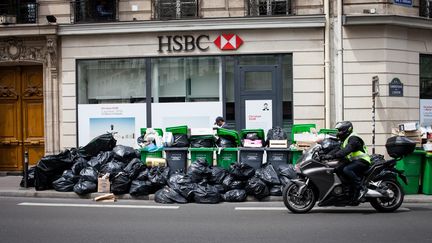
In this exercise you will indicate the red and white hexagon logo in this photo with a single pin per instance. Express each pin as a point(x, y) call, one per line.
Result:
point(228, 42)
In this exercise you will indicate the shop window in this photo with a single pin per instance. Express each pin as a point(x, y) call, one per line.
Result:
point(94, 11)
point(186, 79)
point(287, 93)
point(111, 81)
point(425, 8)
point(425, 76)
point(175, 9)
point(229, 92)
point(269, 7)
point(21, 12)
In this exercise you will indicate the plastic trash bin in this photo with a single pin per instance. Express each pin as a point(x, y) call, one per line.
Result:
point(328, 131)
point(260, 133)
point(427, 175)
point(230, 134)
point(252, 156)
point(226, 156)
point(300, 128)
point(295, 155)
point(177, 130)
point(202, 153)
point(411, 165)
point(158, 130)
point(176, 158)
point(277, 156)
point(154, 154)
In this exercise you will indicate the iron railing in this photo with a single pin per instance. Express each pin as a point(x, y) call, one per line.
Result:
point(175, 9)
point(19, 12)
point(425, 8)
point(89, 11)
point(269, 7)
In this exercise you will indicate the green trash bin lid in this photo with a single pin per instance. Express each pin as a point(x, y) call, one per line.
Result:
point(230, 134)
point(177, 129)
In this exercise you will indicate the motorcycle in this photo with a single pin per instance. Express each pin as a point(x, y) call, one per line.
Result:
point(318, 181)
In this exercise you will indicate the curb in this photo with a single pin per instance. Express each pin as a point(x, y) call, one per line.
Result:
point(72, 195)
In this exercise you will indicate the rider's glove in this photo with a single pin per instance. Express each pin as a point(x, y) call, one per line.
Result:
point(327, 157)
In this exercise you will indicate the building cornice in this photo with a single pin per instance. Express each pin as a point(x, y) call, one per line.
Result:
point(25, 30)
point(313, 21)
point(406, 21)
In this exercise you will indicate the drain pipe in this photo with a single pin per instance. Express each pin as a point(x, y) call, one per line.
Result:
point(339, 69)
point(327, 63)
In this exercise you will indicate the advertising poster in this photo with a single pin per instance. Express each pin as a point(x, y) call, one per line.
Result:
point(259, 114)
point(426, 112)
point(124, 120)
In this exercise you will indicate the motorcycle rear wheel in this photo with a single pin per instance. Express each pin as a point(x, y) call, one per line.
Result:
point(387, 205)
point(298, 204)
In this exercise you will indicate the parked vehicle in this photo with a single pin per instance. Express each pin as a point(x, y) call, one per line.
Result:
point(318, 182)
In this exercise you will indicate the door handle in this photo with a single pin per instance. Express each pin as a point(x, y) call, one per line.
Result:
point(10, 142)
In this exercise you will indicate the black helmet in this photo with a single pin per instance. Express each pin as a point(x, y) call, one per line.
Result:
point(344, 128)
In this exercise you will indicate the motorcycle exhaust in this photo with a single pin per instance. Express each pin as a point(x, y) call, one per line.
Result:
point(373, 193)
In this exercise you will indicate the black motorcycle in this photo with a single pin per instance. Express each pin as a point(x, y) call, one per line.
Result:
point(318, 181)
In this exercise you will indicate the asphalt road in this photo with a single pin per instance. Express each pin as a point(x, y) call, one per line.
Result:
point(59, 220)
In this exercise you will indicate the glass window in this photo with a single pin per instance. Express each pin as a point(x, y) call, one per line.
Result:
point(258, 60)
point(287, 93)
point(176, 9)
point(269, 7)
point(230, 95)
point(186, 79)
point(111, 81)
point(258, 81)
point(425, 76)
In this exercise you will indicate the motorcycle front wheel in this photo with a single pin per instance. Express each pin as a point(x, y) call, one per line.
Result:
point(388, 205)
point(298, 203)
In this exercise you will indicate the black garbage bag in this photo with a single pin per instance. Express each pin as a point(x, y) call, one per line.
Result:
point(236, 195)
point(268, 174)
point(286, 174)
point(101, 159)
point(217, 175)
point(80, 164)
point(242, 171)
point(224, 142)
point(64, 184)
point(143, 175)
point(256, 187)
point(199, 170)
point(124, 153)
point(180, 141)
point(68, 174)
point(104, 142)
point(205, 193)
point(276, 190)
point(221, 188)
point(202, 142)
point(168, 195)
point(50, 168)
point(30, 177)
point(182, 184)
point(276, 133)
point(141, 188)
point(134, 167)
point(113, 167)
point(84, 187)
point(120, 184)
point(158, 176)
point(230, 183)
point(89, 174)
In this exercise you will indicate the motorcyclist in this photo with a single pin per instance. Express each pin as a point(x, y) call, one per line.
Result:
point(354, 153)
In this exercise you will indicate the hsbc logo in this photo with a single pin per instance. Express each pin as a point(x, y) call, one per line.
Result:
point(188, 43)
point(228, 42)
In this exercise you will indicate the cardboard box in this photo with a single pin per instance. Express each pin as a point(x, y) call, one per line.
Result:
point(202, 131)
point(152, 162)
point(412, 126)
point(278, 144)
point(104, 184)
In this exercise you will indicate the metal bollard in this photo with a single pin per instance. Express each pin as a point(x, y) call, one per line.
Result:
point(26, 162)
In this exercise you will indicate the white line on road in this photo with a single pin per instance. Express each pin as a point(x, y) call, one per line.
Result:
point(95, 205)
point(261, 208)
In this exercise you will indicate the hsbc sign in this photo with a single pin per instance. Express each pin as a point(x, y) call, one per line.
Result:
point(188, 43)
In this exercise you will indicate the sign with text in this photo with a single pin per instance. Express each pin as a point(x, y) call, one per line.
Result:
point(259, 114)
point(404, 2)
point(124, 120)
point(395, 87)
point(426, 112)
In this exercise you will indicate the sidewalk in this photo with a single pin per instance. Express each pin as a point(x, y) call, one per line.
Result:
point(9, 187)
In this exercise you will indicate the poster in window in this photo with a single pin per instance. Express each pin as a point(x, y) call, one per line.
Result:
point(426, 112)
point(259, 114)
point(124, 120)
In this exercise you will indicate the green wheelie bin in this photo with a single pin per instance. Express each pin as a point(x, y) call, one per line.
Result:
point(427, 175)
point(411, 165)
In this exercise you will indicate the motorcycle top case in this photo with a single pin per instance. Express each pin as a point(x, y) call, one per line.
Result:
point(399, 146)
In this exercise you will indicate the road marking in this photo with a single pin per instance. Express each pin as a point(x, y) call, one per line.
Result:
point(261, 208)
point(95, 205)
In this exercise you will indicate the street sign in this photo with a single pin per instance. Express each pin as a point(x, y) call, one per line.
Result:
point(404, 2)
point(395, 87)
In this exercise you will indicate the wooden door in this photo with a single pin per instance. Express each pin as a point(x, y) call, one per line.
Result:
point(21, 116)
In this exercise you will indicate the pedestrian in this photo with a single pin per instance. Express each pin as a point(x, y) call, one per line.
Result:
point(220, 122)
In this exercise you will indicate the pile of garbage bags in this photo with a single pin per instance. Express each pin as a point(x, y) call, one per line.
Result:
point(78, 170)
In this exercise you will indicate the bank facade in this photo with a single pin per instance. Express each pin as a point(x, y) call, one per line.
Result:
point(257, 63)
